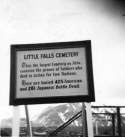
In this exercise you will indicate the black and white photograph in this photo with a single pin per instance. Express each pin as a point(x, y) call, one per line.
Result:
point(62, 68)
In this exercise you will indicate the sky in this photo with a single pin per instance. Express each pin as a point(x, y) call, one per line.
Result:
point(101, 21)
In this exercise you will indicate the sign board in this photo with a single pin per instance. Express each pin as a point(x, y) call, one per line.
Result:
point(51, 73)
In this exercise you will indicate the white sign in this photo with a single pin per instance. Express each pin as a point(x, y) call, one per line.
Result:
point(48, 73)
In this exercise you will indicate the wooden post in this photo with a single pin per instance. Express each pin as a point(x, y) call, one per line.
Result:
point(28, 122)
point(16, 121)
point(83, 120)
point(89, 120)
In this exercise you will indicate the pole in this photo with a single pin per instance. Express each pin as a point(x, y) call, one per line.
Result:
point(89, 120)
point(16, 121)
point(28, 122)
point(83, 120)
point(113, 124)
point(96, 126)
point(119, 122)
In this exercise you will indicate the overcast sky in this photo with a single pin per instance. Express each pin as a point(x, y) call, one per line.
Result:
point(42, 21)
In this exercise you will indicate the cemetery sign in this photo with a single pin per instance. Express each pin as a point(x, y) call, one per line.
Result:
point(51, 73)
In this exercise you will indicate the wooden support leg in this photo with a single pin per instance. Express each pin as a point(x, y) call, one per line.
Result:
point(16, 121)
point(89, 120)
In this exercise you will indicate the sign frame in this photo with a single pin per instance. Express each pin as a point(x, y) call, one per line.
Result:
point(54, 99)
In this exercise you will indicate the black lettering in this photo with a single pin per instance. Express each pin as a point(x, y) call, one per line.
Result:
point(74, 86)
point(61, 86)
point(31, 56)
